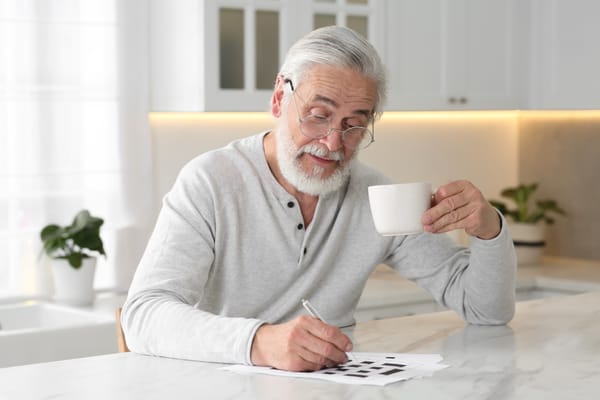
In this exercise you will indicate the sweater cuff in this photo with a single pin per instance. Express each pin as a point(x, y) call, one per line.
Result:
point(500, 236)
point(248, 357)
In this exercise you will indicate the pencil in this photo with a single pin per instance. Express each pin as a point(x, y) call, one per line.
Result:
point(315, 314)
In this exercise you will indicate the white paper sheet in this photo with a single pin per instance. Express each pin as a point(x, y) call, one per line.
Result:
point(366, 369)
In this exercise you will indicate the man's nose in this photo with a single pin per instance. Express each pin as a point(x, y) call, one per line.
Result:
point(333, 140)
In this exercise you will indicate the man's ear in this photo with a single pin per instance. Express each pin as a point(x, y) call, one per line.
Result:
point(277, 97)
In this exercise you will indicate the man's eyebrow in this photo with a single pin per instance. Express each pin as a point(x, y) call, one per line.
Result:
point(324, 99)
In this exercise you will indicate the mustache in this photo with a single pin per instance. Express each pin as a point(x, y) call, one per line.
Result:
point(321, 152)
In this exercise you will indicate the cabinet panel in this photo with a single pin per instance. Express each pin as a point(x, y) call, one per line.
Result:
point(231, 48)
point(267, 49)
point(491, 36)
point(566, 56)
point(452, 55)
point(416, 54)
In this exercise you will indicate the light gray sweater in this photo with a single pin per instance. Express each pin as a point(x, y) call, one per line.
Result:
point(229, 253)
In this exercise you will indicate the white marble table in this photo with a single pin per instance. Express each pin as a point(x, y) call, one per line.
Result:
point(551, 350)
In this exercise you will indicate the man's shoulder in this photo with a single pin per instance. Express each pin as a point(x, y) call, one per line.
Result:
point(222, 160)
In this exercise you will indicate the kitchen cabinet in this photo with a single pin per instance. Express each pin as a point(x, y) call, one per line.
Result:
point(461, 54)
point(224, 55)
point(565, 56)
point(216, 55)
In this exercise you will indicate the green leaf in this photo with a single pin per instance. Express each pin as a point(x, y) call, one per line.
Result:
point(550, 205)
point(510, 193)
point(54, 245)
point(89, 239)
point(75, 260)
point(82, 218)
point(514, 215)
point(535, 217)
point(50, 231)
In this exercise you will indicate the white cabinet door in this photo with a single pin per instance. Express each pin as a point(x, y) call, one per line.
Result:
point(565, 51)
point(459, 54)
point(488, 69)
point(244, 43)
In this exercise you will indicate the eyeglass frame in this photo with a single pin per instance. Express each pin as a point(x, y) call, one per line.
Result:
point(330, 129)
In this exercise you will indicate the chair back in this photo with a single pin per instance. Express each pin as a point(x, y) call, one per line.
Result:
point(121, 343)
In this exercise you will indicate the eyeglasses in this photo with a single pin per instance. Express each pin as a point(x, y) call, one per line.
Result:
point(318, 126)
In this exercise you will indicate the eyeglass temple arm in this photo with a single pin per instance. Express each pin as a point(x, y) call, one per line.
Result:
point(288, 80)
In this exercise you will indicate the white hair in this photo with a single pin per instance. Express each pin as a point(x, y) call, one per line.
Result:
point(340, 47)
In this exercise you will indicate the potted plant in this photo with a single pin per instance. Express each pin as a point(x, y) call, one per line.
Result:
point(73, 250)
point(527, 222)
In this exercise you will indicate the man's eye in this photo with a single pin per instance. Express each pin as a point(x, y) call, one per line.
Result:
point(355, 123)
point(319, 117)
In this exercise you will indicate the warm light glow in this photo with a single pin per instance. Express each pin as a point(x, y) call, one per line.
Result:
point(404, 115)
point(209, 116)
point(560, 114)
point(387, 116)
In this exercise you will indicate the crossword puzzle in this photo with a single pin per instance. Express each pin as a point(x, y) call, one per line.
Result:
point(365, 368)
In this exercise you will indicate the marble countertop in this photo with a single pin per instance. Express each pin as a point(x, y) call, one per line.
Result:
point(386, 287)
point(548, 351)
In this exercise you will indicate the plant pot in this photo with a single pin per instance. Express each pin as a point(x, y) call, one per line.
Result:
point(529, 240)
point(74, 286)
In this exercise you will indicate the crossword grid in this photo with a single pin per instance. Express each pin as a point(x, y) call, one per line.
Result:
point(365, 368)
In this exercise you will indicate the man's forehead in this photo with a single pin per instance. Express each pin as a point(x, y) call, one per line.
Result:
point(334, 85)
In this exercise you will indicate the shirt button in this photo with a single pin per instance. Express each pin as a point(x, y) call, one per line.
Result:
point(290, 204)
point(300, 226)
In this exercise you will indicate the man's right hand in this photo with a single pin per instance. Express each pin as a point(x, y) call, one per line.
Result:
point(302, 344)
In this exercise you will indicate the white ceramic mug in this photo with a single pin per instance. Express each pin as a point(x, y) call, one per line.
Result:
point(397, 209)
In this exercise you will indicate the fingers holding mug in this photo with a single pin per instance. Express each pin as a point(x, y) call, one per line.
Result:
point(461, 205)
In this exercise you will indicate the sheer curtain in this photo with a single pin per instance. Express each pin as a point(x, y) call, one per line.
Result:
point(73, 133)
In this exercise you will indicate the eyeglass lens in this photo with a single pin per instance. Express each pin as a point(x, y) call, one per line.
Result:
point(317, 127)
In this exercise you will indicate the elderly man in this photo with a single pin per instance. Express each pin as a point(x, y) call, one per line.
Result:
point(251, 229)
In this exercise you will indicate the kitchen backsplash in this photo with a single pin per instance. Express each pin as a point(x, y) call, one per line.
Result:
point(561, 151)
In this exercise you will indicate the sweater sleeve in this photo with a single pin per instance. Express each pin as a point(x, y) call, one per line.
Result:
point(159, 316)
point(477, 282)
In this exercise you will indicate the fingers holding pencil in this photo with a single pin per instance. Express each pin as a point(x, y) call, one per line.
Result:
point(302, 344)
point(315, 314)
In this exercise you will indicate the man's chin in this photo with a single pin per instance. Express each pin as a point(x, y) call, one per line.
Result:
point(321, 184)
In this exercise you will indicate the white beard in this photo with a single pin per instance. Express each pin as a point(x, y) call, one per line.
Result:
point(288, 157)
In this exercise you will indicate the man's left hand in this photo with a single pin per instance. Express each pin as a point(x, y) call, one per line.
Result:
point(461, 205)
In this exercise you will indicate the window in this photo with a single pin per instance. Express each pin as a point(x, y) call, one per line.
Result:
point(73, 131)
